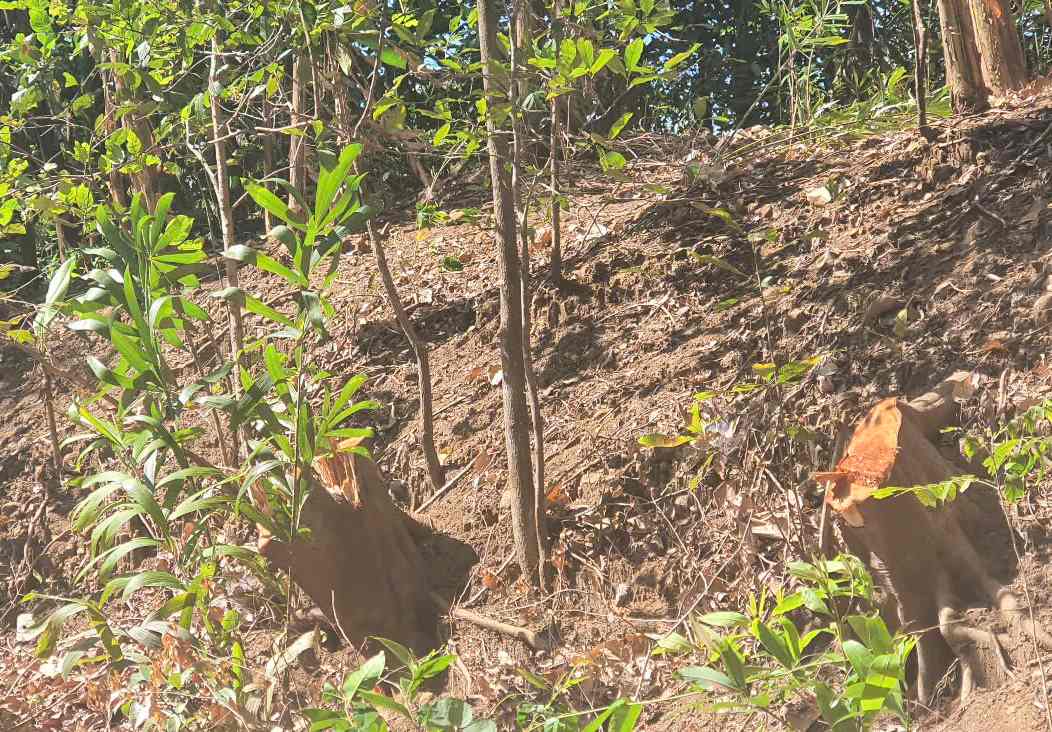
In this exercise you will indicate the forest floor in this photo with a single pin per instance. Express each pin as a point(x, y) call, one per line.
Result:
point(927, 258)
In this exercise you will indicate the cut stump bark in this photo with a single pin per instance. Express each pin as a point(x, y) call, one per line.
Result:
point(360, 564)
point(935, 562)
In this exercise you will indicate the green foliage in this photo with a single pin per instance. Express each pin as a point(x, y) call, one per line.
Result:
point(701, 429)
point(160, 495)
point(360, 702)
point(849, 663)
point(1014, 456)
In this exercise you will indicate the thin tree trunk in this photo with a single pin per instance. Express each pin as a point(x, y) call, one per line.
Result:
point(516, 420)
point(920, 43)
point(221, 180)
point(145, 179)
point(536, 416)
point(1048, 13)
point(224, 448)
point(268, 157)
point(556, 266)
point(297, 143)
point(1000, 50)
point(49, 410)
point(118, 192)
point(963, 69)
point(426, 430)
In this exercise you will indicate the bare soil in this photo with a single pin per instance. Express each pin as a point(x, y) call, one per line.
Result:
point(955, 234)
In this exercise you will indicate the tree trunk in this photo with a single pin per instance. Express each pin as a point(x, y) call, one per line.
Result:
point(934, 562)
point(426, 430)
point(982, 49)
point(118, 191)
point(297, 142)
point(516, 417)
point(963, 69)
point(137, 123)
point(556, 266)
point(1000, 50)
point(221, 182)
point(920, 71)
point(359, 564)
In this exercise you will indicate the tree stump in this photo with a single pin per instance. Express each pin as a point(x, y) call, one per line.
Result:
point(359, 564)
point(935, 562)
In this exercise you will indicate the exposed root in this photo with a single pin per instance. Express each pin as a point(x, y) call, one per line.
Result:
point(934, 561)
point(1016, 615)
point(974, 648)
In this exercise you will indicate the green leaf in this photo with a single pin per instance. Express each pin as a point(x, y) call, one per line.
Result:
point(619, 125)
point(707, 678)
point(329, 181)
point(604, 57)
point(51, 628)
point(717, 262)
point(269, 201)
point(859, 656)
point(108, 560)
point(625, 718)
point(441, 133)
point(56, 290)
point(679, 58)
point(597, 724)
point(773, 644)
point(379, 701)
point(872, 632)
point(241, 253)
point(633, 52)
point(657, 440)
point(402, 653)
point(145, 500)
point(258, 307)
point(365, 676)
point(567, 53)
point(131, 349)
point(392, 57)
point(724, 619)
point(612, 161)
point(450, 713)
point(133, 583)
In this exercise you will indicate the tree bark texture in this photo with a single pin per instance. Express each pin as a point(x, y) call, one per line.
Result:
point(298, 143)
point(983, 52)
point(1000, 50)
point(516, 416)
point(963, 69)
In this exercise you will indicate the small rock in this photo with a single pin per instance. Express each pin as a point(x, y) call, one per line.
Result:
point(398, 490)
point(794, 319)
point(825, 384)
point(880, 305)
point(1042, 310)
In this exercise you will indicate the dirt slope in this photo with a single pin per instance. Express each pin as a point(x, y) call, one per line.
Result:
point(954, 234)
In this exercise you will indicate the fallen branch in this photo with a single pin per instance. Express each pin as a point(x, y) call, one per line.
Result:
point(512, 631)
point(445, 489)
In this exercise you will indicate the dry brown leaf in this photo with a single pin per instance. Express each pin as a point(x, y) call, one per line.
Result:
point(880, 305)
point(482, 461)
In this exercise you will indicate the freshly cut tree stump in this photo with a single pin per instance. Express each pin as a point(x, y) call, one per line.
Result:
point(359, 564)
point(935, 562)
